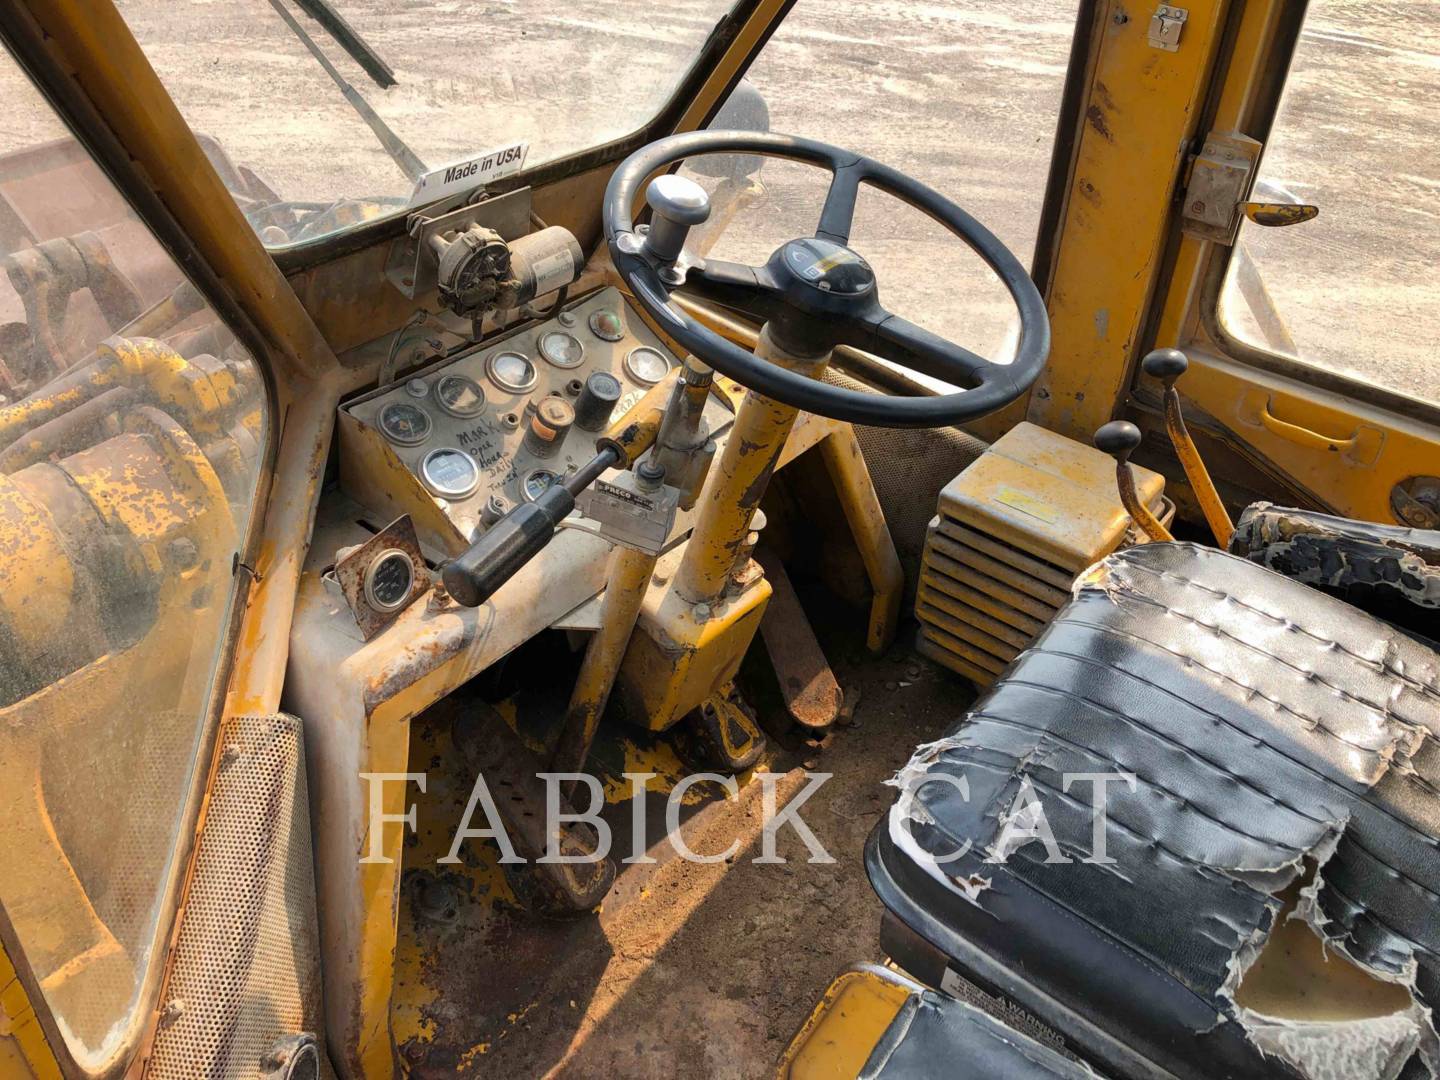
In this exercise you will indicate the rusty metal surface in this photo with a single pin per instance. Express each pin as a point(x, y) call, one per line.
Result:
point(812, 696)
point(399, 535)
point(513, 772)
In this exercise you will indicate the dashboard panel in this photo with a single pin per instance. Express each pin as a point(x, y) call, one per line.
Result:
point(460, 442)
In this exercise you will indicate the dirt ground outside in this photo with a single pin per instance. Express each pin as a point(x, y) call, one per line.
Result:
point(961, 95)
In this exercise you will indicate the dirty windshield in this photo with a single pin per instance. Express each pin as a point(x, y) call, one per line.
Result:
point(323, 114)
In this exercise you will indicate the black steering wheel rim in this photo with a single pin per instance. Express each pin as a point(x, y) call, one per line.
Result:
point(997, 384)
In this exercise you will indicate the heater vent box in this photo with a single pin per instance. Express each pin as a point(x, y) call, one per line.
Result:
point(1013, 531)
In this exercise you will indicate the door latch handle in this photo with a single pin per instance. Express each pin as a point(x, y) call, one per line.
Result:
point(1277, 215)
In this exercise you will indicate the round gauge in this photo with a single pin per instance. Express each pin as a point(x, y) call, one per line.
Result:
point(561, 349)
point(404, 423)
point(450, 473)
point(389, 579)
point(416, 388)
point(511, 371)
point(646, 366)
point(536, 483)
point(606, 325)
point(459, 395)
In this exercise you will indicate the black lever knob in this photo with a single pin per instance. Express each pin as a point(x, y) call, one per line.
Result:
point(508, 544)
point(1119, 438)
point(1167, 365)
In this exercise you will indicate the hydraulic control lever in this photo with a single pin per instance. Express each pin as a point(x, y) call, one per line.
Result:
point(513, 540)
point(1167, 365)
point(510, 543)
point(1119, 438)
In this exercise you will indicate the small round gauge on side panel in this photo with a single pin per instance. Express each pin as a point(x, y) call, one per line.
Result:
point(647, 366)
point(459, 395)
point(535, 483)
point(606, 325)
point(511, 371)
point(450, 473)
point(404, 423)
point(389, 579)
point(562, 349)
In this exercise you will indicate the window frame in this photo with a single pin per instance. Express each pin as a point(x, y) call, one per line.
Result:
point(1216, 266)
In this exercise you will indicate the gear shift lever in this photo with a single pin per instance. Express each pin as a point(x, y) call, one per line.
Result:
point(1119, 438)
point(1167, 365)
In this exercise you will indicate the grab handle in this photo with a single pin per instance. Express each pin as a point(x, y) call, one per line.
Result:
point(1362, 446)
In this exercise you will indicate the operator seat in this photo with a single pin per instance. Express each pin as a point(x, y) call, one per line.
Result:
point(1284, 751)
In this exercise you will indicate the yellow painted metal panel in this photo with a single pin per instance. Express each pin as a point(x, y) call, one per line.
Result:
point(1142, 106)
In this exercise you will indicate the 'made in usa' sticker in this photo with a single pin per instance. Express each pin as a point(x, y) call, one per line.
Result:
point(470, 172)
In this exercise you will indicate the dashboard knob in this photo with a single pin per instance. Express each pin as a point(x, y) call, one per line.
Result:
point(677, 203)
point(597, 400)
point(549, 426)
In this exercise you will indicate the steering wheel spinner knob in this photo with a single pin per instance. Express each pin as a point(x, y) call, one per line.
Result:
point(676, 203)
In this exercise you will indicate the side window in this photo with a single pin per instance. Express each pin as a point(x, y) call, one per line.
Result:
point(963, 97)
point(1353, 290)
point(131, 431)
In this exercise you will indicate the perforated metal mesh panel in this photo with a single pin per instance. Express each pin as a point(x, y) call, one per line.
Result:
point(246, 973)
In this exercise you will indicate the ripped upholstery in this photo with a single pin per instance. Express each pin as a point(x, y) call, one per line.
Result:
point(1358, 559)
point(1266, 726)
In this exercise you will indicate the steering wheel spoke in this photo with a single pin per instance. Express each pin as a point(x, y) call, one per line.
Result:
point(929, 353)
point(735, 285)
point(838, 213)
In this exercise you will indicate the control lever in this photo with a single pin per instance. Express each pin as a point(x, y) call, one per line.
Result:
point(1119, 438)
point(1167, 365)
point(510, 543)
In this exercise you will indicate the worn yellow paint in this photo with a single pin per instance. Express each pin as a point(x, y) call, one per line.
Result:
point(1346, 452)
point(626, 583)
point(738, 482)
point(25, 1052)
point(91, 39)
point(1140, 111)
point(680, 656)
point(851, 478)
point(839, 1035)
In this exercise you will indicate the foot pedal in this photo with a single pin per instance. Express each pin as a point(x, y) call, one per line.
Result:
point(511, 773)
point(812, 696)
point(725, 733)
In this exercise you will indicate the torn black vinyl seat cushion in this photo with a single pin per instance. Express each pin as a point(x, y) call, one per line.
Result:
point(1268, 727)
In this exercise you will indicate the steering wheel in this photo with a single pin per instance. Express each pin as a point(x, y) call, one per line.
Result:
point(814, 293)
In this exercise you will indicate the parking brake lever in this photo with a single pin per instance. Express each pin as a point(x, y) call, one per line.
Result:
point(510, 543)
point(1119, 438)
point(1167, 365)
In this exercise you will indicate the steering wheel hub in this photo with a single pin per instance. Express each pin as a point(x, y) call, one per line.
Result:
point(825, 266)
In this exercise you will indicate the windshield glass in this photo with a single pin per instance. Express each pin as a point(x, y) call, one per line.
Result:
point(323, 114)
point(132, 429)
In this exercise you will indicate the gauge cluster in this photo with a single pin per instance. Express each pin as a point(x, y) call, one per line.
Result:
point(498, 424)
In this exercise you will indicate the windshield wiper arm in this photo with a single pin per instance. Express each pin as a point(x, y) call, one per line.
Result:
point(349, 39)
point(402, 155)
